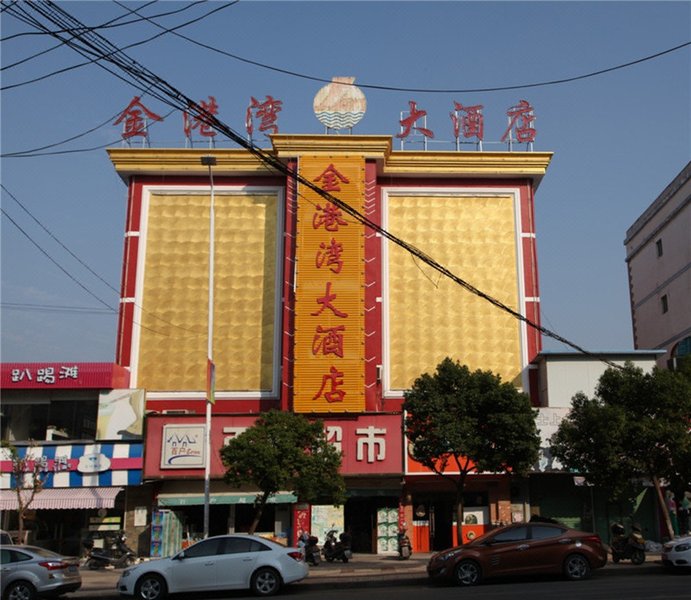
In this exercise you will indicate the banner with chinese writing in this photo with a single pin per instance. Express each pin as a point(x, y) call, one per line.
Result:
point(370, 444)
point(329, 296)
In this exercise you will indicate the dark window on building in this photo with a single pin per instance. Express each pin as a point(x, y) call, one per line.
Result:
point(658, 246)
point(60, 415)
point(664, 303)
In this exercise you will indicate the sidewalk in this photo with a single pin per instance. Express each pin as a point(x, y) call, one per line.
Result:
point(363, 567)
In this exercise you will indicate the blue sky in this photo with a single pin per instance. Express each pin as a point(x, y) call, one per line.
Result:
point(618, 138)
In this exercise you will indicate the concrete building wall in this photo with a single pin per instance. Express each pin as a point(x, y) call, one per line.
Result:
point(563, 375)
point(658, 255)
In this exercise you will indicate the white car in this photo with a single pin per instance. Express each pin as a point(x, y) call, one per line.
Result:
point(224, 562)
point(677, 553)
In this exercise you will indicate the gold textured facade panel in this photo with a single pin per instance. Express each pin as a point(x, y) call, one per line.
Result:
point(430, 316)
point(329, 294)
point(173, 340)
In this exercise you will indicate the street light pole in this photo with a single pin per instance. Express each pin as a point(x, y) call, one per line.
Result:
point(209, 161)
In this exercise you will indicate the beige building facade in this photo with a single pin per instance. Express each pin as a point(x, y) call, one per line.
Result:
point(658, 256)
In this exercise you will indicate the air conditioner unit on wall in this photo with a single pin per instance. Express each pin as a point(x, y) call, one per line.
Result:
point(177, 411)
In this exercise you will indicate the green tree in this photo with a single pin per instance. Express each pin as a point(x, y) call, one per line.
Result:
point(636, 426)
point(27, 480)
point(460, 422)
point(285, 451)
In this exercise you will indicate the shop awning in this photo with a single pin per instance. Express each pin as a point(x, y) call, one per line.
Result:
point(57, 498)
point(182, 499)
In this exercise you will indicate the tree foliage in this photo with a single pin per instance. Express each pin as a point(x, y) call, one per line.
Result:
point(459, 422)
point(284, 451)
point(636, 426)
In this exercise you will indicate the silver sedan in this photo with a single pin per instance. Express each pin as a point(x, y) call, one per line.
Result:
point(29, 572)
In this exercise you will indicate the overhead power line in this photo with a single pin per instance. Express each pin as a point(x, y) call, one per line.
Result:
point(55, 308)
point(89, 43)
point(420, 90)
point(38, 151)
point(22, 14)
point(83, 264)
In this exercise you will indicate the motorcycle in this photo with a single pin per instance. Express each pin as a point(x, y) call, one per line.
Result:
point(627, 547)
point(405, 548)
point(118, 555)
point(310, 549)
point(337, 549)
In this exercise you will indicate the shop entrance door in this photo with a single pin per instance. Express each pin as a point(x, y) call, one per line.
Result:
point(440, 523)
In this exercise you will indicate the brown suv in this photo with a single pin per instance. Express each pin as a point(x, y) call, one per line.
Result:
point(521, 549)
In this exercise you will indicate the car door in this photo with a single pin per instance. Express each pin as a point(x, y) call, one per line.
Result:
point(12, 561)
point(506, 551)
point(237, 563)
point(546, 547)
point(195, 568)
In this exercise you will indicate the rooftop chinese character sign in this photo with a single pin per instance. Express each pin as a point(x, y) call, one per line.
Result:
point(329, 302)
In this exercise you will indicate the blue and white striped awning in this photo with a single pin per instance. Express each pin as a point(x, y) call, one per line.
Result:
point(62, 498)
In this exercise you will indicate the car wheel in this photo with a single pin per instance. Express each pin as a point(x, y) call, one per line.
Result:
point(265, 582)
point(576, 567)
point(93, 565)
point(20, 590)
point(467, 572)
point(638, 557)
point(151, 587)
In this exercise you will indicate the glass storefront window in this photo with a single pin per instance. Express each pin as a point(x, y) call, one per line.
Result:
point(66, 415)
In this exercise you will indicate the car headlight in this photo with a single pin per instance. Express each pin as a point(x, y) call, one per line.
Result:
point(682, 547)
point(448, 555)
point(126, 573)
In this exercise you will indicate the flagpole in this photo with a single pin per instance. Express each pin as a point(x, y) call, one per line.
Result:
point(209, 161)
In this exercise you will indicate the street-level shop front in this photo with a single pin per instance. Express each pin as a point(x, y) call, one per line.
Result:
point(371, 465)
point(76, 430)
point(84, 492)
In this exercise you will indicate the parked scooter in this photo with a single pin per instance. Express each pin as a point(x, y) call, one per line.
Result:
point(337, 549)
point(405, 548)
point(119, 555)
point(312, 551)
point(309, 546)
point(627, 547)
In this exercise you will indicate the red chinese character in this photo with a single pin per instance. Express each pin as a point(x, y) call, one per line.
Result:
point(522, 118)
point(326, 301)
point(331, 343)
point(330, 255)
point(189, 124)
point(135, 124)
point(471, 124)
point(333, 379)
point(330, 217)
point(267, 111)
point(330, 178)
point(409, 121)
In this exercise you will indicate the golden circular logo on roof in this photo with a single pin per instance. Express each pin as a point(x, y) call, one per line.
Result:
point(340, 104)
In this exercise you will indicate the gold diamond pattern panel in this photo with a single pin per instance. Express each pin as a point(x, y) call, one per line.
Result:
point(329, 298)
point(173, 342)
point(430, 316)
